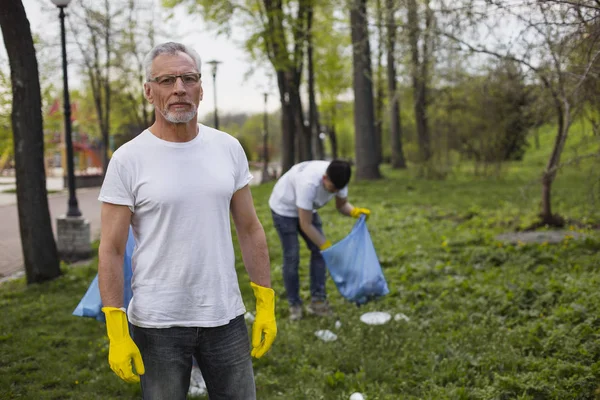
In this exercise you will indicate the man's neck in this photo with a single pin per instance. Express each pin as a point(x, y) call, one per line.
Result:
point(171, 132)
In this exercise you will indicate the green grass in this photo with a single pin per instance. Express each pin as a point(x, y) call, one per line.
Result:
point(13, 191)
point(487, 320)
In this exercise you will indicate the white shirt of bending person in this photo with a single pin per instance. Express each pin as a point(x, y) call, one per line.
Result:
point(302, 187)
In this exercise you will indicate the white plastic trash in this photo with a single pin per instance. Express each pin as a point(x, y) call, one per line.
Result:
point(401, 317)
point(249, 317)
point(338, 324)
point(375, 318)
point(326, 335)
point(197, 384)
point(357, 396)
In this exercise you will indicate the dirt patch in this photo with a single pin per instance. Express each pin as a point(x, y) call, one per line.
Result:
point(539, 237)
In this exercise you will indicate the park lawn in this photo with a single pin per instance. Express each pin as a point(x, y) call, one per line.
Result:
point(486, 320)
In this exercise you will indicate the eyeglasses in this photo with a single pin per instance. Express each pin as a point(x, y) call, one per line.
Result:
point(169, 80)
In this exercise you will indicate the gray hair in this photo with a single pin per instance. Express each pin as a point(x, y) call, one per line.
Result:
point(169, 48)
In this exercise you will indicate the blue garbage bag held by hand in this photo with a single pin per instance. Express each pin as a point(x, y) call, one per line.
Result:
point(91, 303)
point(354, 266)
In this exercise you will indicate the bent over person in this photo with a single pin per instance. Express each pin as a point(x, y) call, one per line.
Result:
point(176, 184)
point(294, 202)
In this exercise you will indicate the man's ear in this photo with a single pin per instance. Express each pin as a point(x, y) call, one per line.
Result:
point(148, 93)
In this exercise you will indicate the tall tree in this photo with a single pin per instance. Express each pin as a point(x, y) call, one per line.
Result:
point(37, 241)
point(419, 41)
point(313, 112)
point(367, 165)
point(379, 91)
point(136, 40)
point(398, 160)
point(288, 69)
point(94, 30)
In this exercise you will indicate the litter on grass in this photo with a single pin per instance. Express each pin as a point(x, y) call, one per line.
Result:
point(375, 318)
point(326, 335)
point(401, 317)
point(338, 324)
point(357, 396)
point(249, 316)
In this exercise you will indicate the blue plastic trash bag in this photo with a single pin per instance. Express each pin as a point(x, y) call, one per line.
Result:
point(91, 304)
point(354, 266)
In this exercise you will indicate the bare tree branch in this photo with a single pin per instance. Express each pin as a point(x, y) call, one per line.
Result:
point(586, 73)
point(578, 4)
point(483, 50)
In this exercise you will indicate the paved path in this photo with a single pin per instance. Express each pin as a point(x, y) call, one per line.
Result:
point(11, 255)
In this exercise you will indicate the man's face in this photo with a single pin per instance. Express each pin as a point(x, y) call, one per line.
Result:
point(329, 186)
point(176, 102)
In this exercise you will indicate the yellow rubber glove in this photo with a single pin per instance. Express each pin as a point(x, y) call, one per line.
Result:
point(122, 350)
point(264, 322)
point(325, 245)
point(356, 212)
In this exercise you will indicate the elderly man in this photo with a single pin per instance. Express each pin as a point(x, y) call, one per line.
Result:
point(176, 184)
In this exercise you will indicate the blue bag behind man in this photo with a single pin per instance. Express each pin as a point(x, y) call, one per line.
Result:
point(354, 267)
point(91, 303)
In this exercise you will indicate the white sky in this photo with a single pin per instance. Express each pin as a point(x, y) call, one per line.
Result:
point(236, 92)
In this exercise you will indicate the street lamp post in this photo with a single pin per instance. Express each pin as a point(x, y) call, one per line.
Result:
point(265, 172)
point(73, 231)
point(214, 64)
point(73, 208)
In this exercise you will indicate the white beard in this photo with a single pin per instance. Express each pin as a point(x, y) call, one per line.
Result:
point(180, 117)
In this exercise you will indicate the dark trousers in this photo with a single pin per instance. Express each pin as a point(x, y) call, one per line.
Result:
point(288, 229)
point(223, 355)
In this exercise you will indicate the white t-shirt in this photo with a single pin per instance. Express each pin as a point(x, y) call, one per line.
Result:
point(180, 193)
point(302, 187)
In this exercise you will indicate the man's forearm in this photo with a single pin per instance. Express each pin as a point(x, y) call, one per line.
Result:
point(110, 278)
point(313, 234)
point(346, 208)
point(255, 254)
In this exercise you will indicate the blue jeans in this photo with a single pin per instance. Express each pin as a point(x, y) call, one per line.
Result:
point(288, 229)
point(223, 354)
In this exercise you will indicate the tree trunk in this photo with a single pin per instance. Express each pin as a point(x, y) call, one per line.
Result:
point(424, 81)
point(37, 241)
point(106, 125)
point(367, 166)
point(332, 135)
point(398, 160)
point(419, 78)
point(98, 23)
point(564, 122)
point(287, 125)
point(333, 141)
point(313, 113)
point(302, 130)
point(96, 82)
point(379, 91)
point(288, 68)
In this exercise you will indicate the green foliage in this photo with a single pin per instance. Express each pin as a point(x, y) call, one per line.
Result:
point(244, 144)
point(332, 59)
point(248, 128)
point(486, 320)
point(485, 118)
